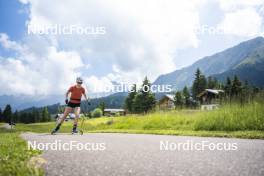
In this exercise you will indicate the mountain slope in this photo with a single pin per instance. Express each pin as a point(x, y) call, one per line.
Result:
point(23, 101)
point(250, 69)
point(244, 60)
point(111, 101)
point(20, 102)
point(211, 65)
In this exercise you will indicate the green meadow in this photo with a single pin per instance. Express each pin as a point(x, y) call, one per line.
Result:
point(15, 157)
point(230, 120)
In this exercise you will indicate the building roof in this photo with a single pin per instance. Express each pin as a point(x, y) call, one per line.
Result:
point(213, 91)
point(113, 110)
point(170, 96)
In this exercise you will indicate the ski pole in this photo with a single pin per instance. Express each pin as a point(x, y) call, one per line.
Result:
point(84, 116)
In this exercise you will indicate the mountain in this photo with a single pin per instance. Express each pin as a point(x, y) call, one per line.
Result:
point(230, 61)
point(251, 69)
point(115, 100)
point(20, 102)
point(245, 60)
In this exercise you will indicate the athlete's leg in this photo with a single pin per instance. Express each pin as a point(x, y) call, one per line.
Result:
point(77, 111)
point(65, 114)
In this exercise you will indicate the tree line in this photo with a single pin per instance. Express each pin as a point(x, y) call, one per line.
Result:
point(8, 116)
point(234, 90)
point(142, 101)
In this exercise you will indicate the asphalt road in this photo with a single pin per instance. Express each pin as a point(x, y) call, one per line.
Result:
point(141, 155)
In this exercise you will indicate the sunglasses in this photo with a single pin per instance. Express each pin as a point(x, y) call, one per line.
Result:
point(79, 82)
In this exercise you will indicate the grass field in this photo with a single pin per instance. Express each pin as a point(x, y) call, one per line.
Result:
point(228, 121)
point(14, 155)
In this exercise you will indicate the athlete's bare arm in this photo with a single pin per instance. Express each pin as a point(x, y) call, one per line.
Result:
point(67, 94)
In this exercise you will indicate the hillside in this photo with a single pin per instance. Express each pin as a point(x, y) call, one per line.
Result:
point(19, 102)
point(222, 62)
point(251, 69)
point(111, 101)
point(245, 60)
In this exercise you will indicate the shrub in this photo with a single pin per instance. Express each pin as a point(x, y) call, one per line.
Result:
point(109, 122)
point(97, 112)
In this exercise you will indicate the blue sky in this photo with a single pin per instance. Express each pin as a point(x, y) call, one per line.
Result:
point(13, 17)
point(140, 38)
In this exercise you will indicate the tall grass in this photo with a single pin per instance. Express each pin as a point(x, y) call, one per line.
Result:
point(229, 117)
point(174, 120)
point(241, 120)
point(232, 117)
point(14, 155)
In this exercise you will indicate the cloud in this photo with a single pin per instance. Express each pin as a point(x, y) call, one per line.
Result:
point(95, 84)
point(142, 36)
point(33, 74)
point(7, 44)
point(142, 39)
point(232, 5)
point(242, 18)
point(244, 22)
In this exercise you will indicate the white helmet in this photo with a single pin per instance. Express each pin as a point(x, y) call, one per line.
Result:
point(79, 80)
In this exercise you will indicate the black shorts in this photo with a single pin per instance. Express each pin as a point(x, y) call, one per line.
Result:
point(73, 105)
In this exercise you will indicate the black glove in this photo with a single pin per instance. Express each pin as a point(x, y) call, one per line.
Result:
point(66, 101)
